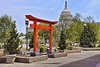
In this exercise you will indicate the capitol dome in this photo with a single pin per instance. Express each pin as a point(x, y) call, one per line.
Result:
point(65, 16)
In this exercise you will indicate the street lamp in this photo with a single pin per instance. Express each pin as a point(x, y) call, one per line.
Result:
point(85, 33)
point(26, 23)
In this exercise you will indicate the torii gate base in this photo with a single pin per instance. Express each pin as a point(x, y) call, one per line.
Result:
point(35, 26)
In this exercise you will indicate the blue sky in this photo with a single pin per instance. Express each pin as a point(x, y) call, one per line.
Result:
point(47, 9)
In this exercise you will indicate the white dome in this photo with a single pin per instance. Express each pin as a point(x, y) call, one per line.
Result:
point(65, 15)
point(65, 12)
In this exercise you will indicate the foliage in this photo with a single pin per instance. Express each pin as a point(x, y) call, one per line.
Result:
point(43, 33)
point(42, 48)
point(12, 44)
point(88, 37)
point(69, 47)
point(0, 47)
point(88, 19)
point(56, 49)
point(73, 32)
point(62, 42)
point(77, 18)
point(55, 36)
point(99, 45)
point(21, 34)
point(29, 34)
point(5, 27)
point(21, 42)
point(31, 42)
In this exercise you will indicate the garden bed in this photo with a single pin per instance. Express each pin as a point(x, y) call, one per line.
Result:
point(25, 59)
point(90, 49)
point(70, 51)
point(73, 51)
point(56, 55)
point(28, 59)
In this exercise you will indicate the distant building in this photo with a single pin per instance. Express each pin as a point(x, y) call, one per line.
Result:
point(65, 16)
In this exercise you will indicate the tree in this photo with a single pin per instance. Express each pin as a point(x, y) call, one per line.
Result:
point(31, 37)
point(43, 33)
point(73, 32)
point(88, 37)
point(12, 44)
point(62, 43)
point(29, 34)
point(55, 36)
point(5, 27)
point(31, 42)
point(21, 42)
point(77, 17)
point(21, 34)
point(88, 19)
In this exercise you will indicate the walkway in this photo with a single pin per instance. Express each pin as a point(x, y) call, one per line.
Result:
point(84, 59)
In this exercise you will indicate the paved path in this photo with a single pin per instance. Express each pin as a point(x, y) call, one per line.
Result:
point(83, 59)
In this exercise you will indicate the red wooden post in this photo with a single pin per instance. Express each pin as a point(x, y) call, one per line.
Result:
point(35, 37)
point(50, 37)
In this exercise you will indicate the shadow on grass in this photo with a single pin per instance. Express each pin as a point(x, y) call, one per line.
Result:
point(87, 62)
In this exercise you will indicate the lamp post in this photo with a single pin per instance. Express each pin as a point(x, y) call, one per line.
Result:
point(85, 33)
point(26, 23)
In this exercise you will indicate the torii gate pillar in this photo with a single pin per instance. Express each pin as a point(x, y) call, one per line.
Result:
point(35, 37)
point(50, 38)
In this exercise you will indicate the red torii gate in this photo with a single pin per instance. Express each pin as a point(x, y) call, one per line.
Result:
point(35, 26)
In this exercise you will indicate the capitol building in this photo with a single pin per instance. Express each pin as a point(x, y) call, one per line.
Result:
point(65, 16)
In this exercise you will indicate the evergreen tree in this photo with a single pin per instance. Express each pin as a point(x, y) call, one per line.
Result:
point(62, 42)
point(12, 44)
point(88, 36)
point(5, 27)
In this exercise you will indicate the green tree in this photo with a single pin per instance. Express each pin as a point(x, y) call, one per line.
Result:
point(31, 37)
point(62, 43)
point(88, 37)
point(31, 42)
point(21, 34)
point(12, 44)
point(77, 17)
point(21, 42)
point(5, 27)
point(55, 36)
point(29, 34)
point(43, 33)
point(88, 19)
point(73, 32)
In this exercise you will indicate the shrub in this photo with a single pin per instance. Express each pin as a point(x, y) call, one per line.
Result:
point(99, 45)
point(56, 49)
point(69, 47)
point(42, 48)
